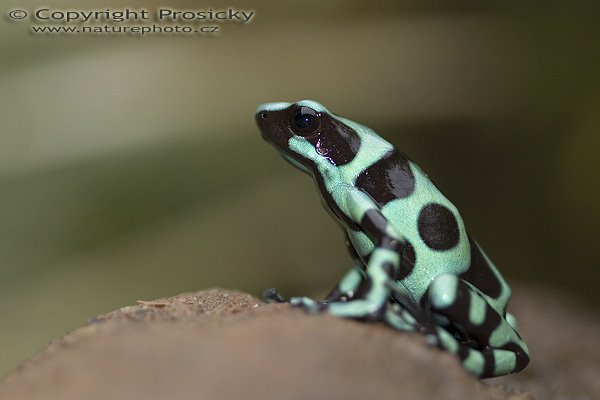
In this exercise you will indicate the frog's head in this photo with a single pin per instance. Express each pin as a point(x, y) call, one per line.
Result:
point(307, 134)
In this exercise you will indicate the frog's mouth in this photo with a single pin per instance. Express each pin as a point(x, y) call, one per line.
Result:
point(296, 163)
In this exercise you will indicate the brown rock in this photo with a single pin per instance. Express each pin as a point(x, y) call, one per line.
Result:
point(219, 344)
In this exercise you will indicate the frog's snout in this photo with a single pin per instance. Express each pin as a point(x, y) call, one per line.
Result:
point(273, 126)
point(264, 121)
point(261, 117)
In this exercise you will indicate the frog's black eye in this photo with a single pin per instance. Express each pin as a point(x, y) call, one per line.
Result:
point(306, 121)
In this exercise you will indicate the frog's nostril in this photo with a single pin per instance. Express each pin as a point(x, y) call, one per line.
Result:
point(263, 115)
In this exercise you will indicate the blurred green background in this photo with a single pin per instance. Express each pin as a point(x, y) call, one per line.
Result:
point(131, 168)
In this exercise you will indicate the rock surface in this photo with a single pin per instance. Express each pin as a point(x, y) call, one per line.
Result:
point(220, 344)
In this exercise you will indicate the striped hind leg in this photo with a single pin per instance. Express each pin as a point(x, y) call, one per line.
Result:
point(470, 327)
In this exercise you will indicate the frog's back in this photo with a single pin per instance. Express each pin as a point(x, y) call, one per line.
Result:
point(437, 241)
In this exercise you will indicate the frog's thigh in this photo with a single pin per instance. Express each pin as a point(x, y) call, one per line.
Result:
point(505, 352)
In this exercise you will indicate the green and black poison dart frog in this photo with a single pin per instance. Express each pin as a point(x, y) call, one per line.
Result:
point(415, 267)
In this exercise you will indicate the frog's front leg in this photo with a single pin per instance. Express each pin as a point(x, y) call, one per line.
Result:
point(350, 285)
point(383, 264)
point(487, 343)
point(354, 280)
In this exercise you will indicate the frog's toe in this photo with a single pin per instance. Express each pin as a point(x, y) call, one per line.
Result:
point(271, 295)
point(308, 304)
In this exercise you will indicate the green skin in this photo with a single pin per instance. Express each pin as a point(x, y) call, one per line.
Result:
point(415, 267)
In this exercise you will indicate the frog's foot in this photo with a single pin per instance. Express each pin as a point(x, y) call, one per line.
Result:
point(470, 327)
point(361, 309)
point(272, 296)
point(483, 363)
point(309, 305)
point(401, 319)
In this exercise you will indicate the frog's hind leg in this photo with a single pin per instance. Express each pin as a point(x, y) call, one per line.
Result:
point(484, 341)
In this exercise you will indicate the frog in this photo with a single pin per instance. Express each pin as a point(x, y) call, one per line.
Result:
point(415, 268)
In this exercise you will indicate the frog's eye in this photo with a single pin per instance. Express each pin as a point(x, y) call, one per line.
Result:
point(306, 121)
